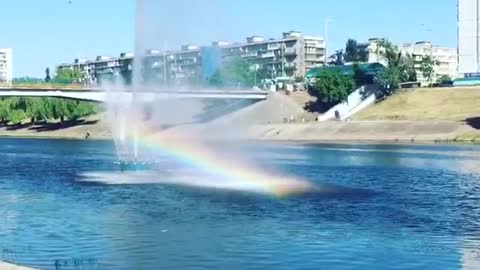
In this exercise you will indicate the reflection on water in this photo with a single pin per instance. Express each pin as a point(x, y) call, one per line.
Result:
point(381, 207)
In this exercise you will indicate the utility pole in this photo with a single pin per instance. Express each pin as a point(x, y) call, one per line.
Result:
point(164, 68)
point(327, 22)
point(283, 59)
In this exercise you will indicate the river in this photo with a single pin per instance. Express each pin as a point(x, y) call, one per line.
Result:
point(390, 207)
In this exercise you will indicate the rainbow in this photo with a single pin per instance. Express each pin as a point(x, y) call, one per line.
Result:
point(187, 151)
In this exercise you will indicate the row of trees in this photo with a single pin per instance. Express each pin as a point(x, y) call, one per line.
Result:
point(15, 110)
point(63, 76)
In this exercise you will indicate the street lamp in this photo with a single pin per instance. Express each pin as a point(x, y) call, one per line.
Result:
point(328, 20)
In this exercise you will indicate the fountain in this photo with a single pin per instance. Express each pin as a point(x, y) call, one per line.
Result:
point(185, 159)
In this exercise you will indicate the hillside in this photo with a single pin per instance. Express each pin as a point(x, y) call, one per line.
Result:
point(455, 104)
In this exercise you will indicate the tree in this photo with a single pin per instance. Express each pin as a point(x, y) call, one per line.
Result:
point(37, 109)
point(67, 75)
point(333, 87)
point(351, 51)
point(359, 76)
point(234, 72)
point(337, 58)
point(47, 75)
point(400, 68)
point(427, 68)
point(409, 73)
point(354, 52)
point(4, 110)
point(445, 79)
point(27, 80)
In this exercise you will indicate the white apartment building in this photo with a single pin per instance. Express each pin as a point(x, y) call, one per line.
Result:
point(445, 57)
point(291, 55)
point(6, 66)
point(468, 37)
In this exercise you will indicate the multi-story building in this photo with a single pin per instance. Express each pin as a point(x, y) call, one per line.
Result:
point(172, 67)
point(469, 38)
point(6, 66)
point(103, 68)
point(292, 55)
point(445, 59)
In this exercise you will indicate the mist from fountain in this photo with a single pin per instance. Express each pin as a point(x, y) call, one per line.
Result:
point(137, 126)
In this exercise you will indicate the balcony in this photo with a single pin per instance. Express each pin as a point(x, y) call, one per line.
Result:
point(250, 54)
point(290, 51)
point(272, 47)
point(290, 65)
point(268, 55)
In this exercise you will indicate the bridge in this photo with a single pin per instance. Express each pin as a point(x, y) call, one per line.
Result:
point(100, 95)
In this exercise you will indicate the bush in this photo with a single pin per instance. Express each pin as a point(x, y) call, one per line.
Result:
point(333, 87)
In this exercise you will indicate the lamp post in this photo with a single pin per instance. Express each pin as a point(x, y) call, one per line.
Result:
point(328, 20)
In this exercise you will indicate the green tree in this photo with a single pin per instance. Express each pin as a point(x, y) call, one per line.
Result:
point(37, 109)
point(351, 51)
point(427, 68)
point(400, 68)
point(337, 58)
point(445, 79)
point(409, 73)
point(359, 76)
point(355, 53)
point(333, 87)
point(234, 72)
point(47, 75)
point(67, 75)
point(26, 80)
point(17, 116)
point(5, 109)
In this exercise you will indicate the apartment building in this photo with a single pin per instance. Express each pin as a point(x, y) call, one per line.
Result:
point(6, 66)
point(103, 68)
point(292, 55)
point(172, 67)
point(469, 37)
point(445, 57)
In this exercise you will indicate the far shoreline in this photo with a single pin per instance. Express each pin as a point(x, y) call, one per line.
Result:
point(269, 141)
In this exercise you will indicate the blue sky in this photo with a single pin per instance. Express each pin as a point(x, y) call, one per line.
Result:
point(49, 32)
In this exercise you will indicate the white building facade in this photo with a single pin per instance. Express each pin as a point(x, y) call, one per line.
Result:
point(468, 37)
point(6, 66)
point(445, 60)
point(291, 55)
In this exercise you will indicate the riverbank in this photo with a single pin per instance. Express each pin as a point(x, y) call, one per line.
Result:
point(338, 131)
point(332, 131)
point(410, 116)
point(95, 126)
point(367, 131)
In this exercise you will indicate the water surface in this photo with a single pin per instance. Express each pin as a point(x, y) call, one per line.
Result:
point(392, 207)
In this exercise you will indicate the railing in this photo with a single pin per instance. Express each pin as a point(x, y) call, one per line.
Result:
point(357, 101)
point(41, 86)
point(291, 51)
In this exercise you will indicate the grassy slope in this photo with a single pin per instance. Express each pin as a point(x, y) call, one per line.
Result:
point(455, 104)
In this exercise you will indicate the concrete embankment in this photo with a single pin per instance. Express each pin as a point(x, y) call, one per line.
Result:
point(367, 131)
